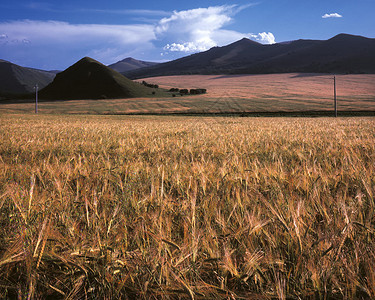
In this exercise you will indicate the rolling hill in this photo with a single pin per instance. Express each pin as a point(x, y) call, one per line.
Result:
point(129, 64)
point(89, 79)
point(20, 80)
point(341, 54)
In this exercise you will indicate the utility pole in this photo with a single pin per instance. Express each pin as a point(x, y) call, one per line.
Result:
point(36, 98)
point(334, 88)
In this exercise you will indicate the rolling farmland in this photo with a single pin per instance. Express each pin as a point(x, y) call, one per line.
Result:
point(231, 94)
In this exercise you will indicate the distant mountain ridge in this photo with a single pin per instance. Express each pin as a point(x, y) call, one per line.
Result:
point(15, 79)
point(343, 53)
point(129, 64)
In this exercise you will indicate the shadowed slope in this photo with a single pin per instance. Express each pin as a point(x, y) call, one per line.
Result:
point(89, 79)
point(20, 80)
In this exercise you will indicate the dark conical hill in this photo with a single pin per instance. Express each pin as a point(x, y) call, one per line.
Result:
point(89, 79)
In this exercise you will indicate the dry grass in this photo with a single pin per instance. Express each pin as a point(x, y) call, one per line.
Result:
point(241, 93)
point(199, 208)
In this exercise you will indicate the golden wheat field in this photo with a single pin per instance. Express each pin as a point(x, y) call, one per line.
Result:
point(230, 94)
point(131, 207)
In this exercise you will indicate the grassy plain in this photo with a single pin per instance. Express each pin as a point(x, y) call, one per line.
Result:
point(239, 93)
point(181, 207)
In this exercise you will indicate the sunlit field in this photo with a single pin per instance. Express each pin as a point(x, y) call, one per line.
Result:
point(109, 207)
point(280, 92)
point(231, 94)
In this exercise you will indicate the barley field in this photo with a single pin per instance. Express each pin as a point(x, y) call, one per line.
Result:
point(131, 207)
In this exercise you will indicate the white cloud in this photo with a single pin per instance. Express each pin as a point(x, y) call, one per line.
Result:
point(143, 12)
point(58, 41)
point(264, 37)
point(191, 30)
point(333, 15)
point(187, 47)
point(61, 32)
point(54, 8)
point(202, 28)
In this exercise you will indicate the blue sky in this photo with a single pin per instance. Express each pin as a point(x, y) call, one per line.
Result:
point(55, 34)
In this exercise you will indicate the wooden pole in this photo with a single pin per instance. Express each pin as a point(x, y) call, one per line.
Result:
point(334, 88)
point(36, 98)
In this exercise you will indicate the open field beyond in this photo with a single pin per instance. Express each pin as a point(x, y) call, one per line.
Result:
point(132, 207)
point(232, 94)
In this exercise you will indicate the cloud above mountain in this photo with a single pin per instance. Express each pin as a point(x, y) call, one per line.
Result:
point(202, 28)
point(30, 42)
point(333, 15)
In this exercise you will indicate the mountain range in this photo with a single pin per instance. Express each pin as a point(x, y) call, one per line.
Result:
point(343, 53)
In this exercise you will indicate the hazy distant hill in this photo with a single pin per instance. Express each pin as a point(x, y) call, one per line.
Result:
point(342, 54)
point(89, 79)
point(15, 79)
point(129, 64)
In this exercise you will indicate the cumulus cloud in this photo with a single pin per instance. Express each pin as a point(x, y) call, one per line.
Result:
point(192, 30)
point(333, 15)
point(186, 47)
point(202, 28)
point(264, 37)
